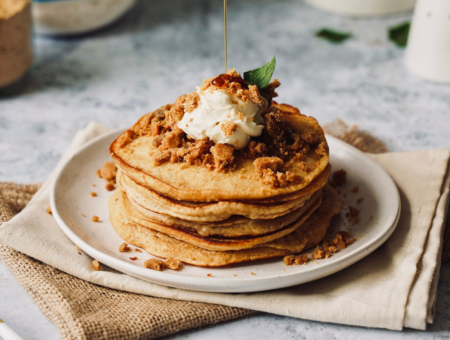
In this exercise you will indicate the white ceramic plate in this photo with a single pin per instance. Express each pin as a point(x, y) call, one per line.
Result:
point(379, 213)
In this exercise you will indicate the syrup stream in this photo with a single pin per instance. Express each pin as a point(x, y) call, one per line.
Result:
point(225, 31)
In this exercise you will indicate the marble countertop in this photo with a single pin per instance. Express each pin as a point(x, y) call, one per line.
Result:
point(162, 49)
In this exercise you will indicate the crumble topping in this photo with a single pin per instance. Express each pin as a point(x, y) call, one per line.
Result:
point(154, 264)
point(277, 141)
point(228, 128)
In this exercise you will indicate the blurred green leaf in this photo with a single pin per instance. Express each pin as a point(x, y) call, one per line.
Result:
point(333, 35)
point(399, 34)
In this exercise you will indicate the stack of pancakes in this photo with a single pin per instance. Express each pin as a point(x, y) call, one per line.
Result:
point(216, 218)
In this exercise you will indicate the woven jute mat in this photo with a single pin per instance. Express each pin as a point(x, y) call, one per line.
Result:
point(81, 310)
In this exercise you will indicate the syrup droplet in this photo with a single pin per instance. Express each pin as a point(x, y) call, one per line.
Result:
point(223, 80)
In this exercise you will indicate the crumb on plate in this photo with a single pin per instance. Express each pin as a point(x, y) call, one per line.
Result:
point(124, 247)
point(155, 264)
point(173, 264)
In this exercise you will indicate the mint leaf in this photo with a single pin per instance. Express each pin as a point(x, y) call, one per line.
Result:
point(399, 34)
point(260, 76)
point(332, 35)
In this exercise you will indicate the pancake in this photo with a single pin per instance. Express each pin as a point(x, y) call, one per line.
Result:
point(210, 243)
point(159, 244)
point(235, 226)
point(145, 198)
point(183, 182)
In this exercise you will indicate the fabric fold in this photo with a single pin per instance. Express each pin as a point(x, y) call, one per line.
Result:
point(384, 290)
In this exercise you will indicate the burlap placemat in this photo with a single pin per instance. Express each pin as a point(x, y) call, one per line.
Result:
point(82, 310)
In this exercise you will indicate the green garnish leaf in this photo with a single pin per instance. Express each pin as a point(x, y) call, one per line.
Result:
point(332, 35)
point(260, 76)
point(399, 34)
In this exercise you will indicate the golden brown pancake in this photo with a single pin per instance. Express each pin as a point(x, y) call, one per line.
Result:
point(211, 243)
point(199, 184)
point(146, 199)
point(235, 226)
point(159, 244)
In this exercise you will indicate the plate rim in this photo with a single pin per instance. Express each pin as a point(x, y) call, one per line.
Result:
point(174, 280)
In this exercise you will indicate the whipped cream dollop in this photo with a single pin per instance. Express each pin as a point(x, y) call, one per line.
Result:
point(216, 108)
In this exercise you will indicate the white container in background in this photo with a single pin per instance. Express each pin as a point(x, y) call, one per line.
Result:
point(363, 7)
point(76, 16)
point(428, 50)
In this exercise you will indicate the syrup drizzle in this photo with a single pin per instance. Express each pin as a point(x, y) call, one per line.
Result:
point(222, 80)
point(225, 32)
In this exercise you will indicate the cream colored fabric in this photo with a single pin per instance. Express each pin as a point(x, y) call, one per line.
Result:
point(374, 292)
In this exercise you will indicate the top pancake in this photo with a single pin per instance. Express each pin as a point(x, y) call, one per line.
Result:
point(198, 184)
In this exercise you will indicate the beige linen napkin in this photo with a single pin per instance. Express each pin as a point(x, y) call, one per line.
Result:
point(391, 288)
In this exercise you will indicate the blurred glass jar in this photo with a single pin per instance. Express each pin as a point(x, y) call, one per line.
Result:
point(67, 17)
point(16, 52)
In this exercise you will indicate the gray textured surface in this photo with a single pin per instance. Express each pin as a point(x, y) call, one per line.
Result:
point(162, 49)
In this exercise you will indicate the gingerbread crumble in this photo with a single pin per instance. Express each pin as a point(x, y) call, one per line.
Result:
point(340, 177)
point(96, 265)
point(93, 194)
point(172, 263)
point(110, 186)
point(95, 219)
point(109, 171)
point(173, 145)
point(228, 128)
point(302, 259)
point(133, 258)
point(289, 260)
point(49, 211)
point(154, 264)
point(124, 247)
point(353, 211)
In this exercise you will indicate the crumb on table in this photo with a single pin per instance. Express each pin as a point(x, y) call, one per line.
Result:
point(209, 275)
point(49, 211)
point(138, 250)
point(133, 258)
point(124, 247)
point(99, 173)
point(155, 264)
point(355, 190)
point(95, 219)
point(96, 265)
point(93, 194)
point(359, 200)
